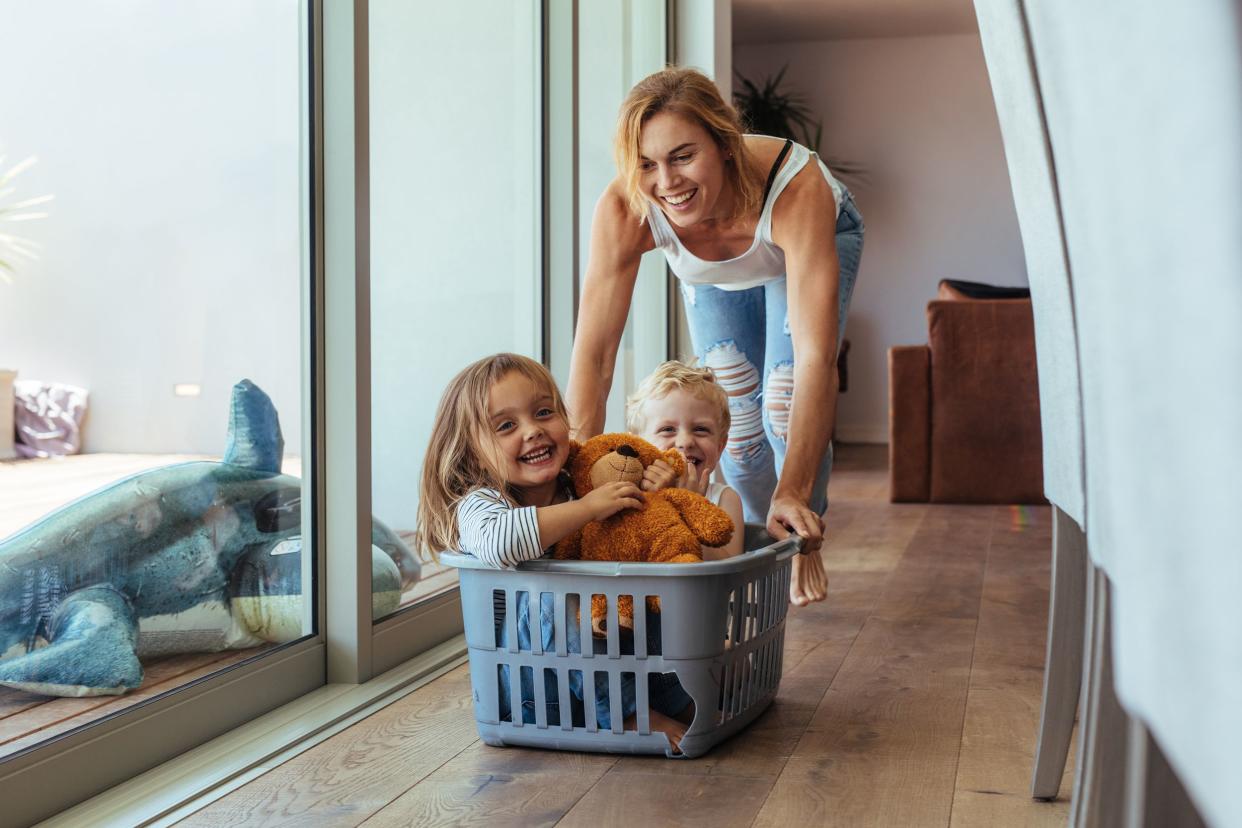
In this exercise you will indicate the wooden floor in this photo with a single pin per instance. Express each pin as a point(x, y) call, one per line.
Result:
point(910, 697)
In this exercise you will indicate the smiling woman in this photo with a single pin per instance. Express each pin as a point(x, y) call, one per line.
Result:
point(766, 243)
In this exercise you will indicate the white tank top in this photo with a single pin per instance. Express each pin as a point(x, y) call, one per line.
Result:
point(764, 262)
point(714, 491)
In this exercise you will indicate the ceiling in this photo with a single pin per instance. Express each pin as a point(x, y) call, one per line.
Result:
point(774, 21)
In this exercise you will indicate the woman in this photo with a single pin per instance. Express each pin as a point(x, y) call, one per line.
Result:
point(766, 244)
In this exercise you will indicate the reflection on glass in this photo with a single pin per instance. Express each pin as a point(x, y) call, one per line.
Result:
point(455, 230)
point(151, 532)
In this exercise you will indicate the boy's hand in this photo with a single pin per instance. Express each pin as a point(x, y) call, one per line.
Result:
point(694, 480)
point(659, 475)
point(610, 498)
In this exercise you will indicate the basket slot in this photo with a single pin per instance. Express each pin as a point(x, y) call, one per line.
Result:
point(502, 671)
point(640, 627)
point(565, 699)
point(739, 675)
point(615, 700)
point(588, 699)
point(766, 603)
point(534, 618)
point(498, 614)
point(629, 696)
point(560, 623)
point(735, 608)
point(642, 708)
point(541, 696)
point(614, 628)
point(569, 616)
point(511, 624)
point(588, 636)
point(726, 695)
point(515, 697)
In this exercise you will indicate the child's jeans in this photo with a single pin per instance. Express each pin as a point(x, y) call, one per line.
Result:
point(665, 693)
point(741, 333)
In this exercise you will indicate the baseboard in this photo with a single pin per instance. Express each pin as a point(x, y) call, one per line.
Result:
point(861, 433)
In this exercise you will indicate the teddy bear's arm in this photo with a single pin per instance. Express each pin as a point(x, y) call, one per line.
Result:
point(710, 524)
point(569, 547)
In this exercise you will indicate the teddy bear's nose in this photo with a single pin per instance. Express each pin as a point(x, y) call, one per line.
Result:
point(626, 450)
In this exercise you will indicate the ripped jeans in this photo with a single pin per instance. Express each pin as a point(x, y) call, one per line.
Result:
point(743, 335)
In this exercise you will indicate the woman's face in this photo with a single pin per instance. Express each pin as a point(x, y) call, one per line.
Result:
point(682, 169)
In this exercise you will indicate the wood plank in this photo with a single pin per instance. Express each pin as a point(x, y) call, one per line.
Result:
point(355, 773)
point(499, 786)
point(1006, 684)
point(657, 798)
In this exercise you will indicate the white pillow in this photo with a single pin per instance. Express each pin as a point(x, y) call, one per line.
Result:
point(6, 414)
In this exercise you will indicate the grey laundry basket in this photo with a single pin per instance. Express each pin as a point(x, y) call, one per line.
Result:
point(722, 629)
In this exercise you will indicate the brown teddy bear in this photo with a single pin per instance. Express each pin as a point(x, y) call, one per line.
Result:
point(669, 527)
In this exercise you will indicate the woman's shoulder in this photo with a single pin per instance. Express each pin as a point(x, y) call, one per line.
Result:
point(619, 224)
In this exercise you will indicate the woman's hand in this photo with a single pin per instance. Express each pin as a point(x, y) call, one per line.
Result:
point(659, 475)
point(610, 498)
point(788, 516)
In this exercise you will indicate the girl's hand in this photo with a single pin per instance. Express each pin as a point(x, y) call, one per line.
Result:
point(695, 480)
point(607, 500)
point(659, 475)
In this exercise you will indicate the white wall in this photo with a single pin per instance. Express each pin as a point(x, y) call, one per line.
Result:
point(168, 133)
point(917, 113)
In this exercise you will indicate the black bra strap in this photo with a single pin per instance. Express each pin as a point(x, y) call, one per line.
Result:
point(780, 159)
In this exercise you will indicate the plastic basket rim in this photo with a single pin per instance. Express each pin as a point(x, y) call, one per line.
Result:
point(776, 552)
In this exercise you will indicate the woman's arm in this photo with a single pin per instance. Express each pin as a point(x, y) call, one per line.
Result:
point(804, 226)
point(618, 241)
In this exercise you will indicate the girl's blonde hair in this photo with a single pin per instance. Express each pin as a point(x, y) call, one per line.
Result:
point(673, 376)
point(462, 454)
point(691, 94)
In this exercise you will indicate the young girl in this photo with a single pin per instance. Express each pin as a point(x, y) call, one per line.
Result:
point(492, 486)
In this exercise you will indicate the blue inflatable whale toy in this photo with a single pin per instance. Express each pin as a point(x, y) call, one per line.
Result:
point(193, 557)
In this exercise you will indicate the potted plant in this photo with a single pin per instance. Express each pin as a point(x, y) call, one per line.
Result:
point(768, 109)
point(14, 247)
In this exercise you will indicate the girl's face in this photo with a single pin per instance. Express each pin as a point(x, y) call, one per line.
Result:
point(682, 421)
point(682, 169)
point(532, 439)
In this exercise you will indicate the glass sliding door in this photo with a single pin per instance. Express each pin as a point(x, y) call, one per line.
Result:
point(157, 535)
point(456, 257)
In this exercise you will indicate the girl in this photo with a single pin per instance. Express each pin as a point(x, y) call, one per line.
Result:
point(493, 486)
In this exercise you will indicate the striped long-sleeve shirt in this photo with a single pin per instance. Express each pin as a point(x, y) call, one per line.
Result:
point(495, 531)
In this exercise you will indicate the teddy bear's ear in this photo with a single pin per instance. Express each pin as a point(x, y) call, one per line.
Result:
point(574, 448)
point(674, 459)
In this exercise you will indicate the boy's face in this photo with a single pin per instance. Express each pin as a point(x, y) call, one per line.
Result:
point(687, 423)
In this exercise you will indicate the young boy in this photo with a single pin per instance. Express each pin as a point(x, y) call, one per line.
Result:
point(683, 407)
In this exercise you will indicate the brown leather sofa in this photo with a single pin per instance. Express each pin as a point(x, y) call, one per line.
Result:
point(964, 409)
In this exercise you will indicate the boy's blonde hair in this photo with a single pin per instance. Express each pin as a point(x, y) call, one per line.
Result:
point(672, 376)
point(693, 95)
point(462, 454)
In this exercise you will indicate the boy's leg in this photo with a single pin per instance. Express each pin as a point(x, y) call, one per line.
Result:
point(727, 330)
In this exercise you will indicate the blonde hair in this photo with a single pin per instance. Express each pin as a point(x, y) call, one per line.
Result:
point(462, 454)
point(674, 376)
point(691, 94)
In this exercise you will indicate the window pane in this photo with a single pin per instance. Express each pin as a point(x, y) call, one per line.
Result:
point(455, 232)
point(168, 544)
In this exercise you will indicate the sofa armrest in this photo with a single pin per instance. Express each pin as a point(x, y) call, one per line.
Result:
point(909, 423)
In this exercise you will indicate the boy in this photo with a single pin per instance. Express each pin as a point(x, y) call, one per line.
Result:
point(683, 407)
